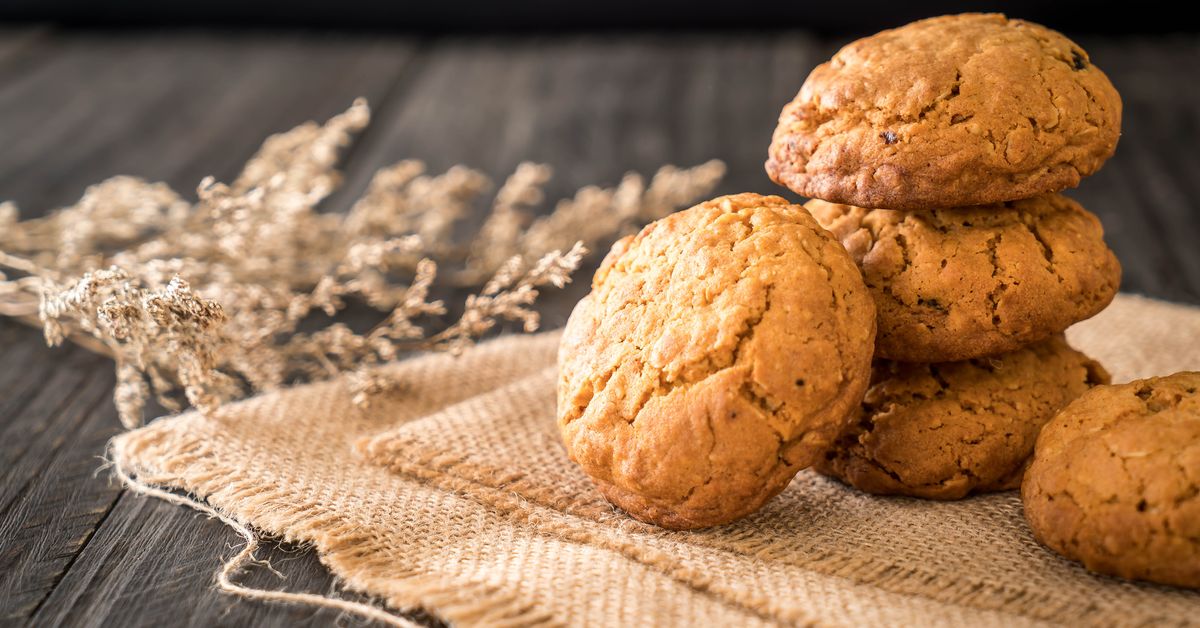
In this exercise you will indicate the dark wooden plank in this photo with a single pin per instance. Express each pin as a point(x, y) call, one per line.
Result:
point(152, 564)
point(1147, 196)
point(165, 108)
point(51, 498)
point(25, 366)
point(172, 108)
point(33, 432)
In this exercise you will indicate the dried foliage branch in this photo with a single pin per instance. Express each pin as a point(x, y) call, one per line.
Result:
point(200, 303)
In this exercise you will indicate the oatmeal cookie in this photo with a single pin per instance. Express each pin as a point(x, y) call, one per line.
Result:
point(949, 111)
point(943, 431)
point(961, 283)
point(720, 351)
point(1115, 481)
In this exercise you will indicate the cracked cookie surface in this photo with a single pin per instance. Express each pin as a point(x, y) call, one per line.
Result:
point(1115, 481)
point(961, 283)
point(719, 352)
point(944, 431)
point(944, 112)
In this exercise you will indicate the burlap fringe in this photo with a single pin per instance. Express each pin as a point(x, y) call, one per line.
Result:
point(232, 566)
point(351, 552)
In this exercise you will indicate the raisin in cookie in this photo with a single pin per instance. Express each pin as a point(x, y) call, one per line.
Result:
point(1115, 481)
point(943, 431)
point(955, 110)
point(961, 283)
point(720, 351)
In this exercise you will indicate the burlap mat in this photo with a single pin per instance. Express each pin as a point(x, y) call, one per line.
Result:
point(456, 496)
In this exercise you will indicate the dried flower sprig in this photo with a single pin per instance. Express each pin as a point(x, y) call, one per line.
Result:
point(199, 303)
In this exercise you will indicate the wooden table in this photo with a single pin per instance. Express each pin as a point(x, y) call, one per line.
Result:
point(78, 107)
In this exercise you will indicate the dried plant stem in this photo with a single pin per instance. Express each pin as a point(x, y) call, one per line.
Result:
point(24, 265)
point(202, 302)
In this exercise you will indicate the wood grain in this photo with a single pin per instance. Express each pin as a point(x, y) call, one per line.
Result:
point(78, 107)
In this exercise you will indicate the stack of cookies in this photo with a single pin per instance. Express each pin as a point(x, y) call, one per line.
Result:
point(936, 153)
point(903, 331)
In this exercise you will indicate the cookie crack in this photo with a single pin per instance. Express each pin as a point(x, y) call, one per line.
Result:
point(993, 296)
point(1030, 224)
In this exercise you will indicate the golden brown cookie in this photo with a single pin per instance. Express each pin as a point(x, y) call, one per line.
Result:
point(943, 431)
point(950, 111)
point(720, 351)
point(961, 283)
point(1115, 481)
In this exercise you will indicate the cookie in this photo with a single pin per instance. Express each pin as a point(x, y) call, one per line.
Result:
point(719, 352)
point(1115, 481)
point(956, 110)
point(962, 283)
point(944, 431)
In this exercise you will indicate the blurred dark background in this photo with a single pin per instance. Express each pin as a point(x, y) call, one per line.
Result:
point(547, 15)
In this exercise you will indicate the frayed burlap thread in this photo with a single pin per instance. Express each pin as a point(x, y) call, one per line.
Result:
point(456, 496)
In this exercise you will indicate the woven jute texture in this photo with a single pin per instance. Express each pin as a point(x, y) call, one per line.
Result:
point(455, 495)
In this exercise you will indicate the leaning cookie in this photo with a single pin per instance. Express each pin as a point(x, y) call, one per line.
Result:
point(956, 284)
point(943, 431)
point(720, 351)
point(1115, 481)
point(949, 111)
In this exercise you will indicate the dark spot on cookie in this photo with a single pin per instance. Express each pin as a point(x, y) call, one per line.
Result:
point(830, 455)
point(968, 223)
point(889, 137)
point(1078, 61)
point(931, 303)
point(800, 382)
point(944, 262)
point(1144, 393)
point(959, 118)
point(1141, 506)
